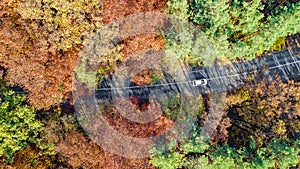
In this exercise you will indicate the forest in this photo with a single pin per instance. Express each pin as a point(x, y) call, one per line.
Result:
point(115, 84)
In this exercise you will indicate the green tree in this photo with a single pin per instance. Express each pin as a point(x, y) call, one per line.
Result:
point(240, 28)
point(195, 153)
point(19, 127)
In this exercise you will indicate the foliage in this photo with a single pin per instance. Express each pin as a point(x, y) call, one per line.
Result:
point(279, 44)
point(272, 110)
point(183, 39)
point(19, 127)
point(285, 21)
point(104, 66)
point(114, 9)
point(180, 8)
point(30, 157)
point(57, 124)
point(220, 134)
point(40, 41)
point(239, 28)
point(173, 107)
point(156, 77)
point(172, 156)
point(237, 96)
point(168, 161)
point(197, 153)
point(80, 152)
point(59, 24)
point(177, 107)
point(278, 153)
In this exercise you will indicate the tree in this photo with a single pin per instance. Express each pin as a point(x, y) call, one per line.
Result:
point(39, 44)
point(196, 153)
point(272, 110)
point(19, 127)
point(240, 28)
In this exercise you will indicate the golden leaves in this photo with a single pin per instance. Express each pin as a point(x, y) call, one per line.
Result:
point(273, 108)
point(61, 23)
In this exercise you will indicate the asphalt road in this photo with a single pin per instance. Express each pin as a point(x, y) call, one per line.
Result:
point(221, 78)
point(231, 77)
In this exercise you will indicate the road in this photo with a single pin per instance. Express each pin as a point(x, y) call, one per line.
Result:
point(221, 78)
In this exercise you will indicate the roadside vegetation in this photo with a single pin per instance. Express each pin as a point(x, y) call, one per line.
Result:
point(241, 28)
point(39, 49)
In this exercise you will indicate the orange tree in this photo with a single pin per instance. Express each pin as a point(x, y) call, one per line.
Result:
point(271, 110)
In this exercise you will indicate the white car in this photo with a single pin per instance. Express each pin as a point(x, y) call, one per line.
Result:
point(200, 82)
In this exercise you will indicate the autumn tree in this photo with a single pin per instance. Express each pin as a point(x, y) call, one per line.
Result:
point(271, 110)
point(39, 45)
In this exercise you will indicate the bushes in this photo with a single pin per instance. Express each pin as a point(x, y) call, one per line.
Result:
point(19, 127)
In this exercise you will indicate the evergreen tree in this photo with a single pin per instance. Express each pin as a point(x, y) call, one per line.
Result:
point(240, 28)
